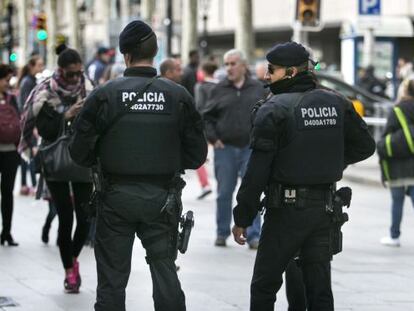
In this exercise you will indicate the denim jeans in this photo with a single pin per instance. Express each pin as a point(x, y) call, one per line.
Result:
point(229, 164)
point(398, 195)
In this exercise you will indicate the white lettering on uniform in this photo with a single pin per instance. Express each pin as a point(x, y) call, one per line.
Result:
point(311, 113)
point(150, 97)
point(124, 96)
point(131, 96)
point(319, 112)
point(161, 97)
point(304, 112)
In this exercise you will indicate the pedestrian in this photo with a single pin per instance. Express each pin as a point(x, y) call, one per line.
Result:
point(54, 103)
point(9, 158)
point(398, 169)
point(260, 72)
point(26, 83)
point(189, 78)
point(371, 83)
point(139, 149)
point(170, 69)
point(97, 68)
point(227, 119)
point(302, 139)
point(201, 93)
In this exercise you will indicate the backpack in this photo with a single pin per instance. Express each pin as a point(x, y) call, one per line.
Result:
point(9, 123)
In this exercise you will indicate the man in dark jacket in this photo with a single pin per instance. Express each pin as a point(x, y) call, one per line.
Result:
point(97, 68)
point(189, 78)
point(143, 131)
point(228, 123)
point(302, 139)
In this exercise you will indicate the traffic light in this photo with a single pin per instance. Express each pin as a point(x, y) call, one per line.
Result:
point(41, 27)
point(308, 12)
point(13, 57)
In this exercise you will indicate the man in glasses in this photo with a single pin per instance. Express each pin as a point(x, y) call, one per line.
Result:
point(228, 123)
point(302, 139)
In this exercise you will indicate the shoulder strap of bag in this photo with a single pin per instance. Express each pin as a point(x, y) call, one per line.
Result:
point(125, 109)
point(404, 125)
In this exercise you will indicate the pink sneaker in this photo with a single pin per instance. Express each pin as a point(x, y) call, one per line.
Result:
point(24, 190)
point(76, 271)
point(71, 283)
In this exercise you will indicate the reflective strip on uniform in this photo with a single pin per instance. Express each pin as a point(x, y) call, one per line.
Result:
point(385, 169)
point(388, 145)
point(404, 125)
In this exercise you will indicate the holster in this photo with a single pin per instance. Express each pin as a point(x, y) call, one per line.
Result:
point(99, 186)
point(341, 198)
point(186, 221)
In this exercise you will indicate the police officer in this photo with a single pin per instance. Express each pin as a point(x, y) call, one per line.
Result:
point(142, 130)
point(302, 139)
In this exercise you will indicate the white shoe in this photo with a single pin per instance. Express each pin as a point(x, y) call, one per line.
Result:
point(389, 241)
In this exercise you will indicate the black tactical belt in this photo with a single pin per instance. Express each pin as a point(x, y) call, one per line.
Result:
point(163, 180)
point(292, 194)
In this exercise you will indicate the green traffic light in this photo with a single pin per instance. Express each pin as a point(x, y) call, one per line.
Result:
point(41, 35)
point(318, 67)
point(13, 57)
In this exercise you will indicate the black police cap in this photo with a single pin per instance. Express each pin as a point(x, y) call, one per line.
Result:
point(287, 54)
point(134, 34)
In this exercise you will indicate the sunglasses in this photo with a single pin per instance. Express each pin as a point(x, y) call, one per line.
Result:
point(72, 74)
point(271, 69)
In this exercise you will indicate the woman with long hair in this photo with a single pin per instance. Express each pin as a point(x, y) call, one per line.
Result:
point(54, 102)
point(9, 158)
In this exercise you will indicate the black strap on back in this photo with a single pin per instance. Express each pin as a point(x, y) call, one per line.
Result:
point(126, 108)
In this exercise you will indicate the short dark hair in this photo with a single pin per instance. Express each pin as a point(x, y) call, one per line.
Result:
point(193, 53)
point(5, 70)
point(166, 65)
point(209, 67)
point(69, 57)
point(145, 50)
point(60, 48)
point(302, 67)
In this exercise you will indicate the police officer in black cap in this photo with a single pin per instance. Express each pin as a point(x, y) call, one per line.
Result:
point(142, 130)
point(302, 139)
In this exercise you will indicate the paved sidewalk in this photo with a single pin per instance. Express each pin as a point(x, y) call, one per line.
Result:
point(366, 276)
point(366, 172)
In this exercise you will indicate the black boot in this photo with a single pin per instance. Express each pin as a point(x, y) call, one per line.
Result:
point(45, 233)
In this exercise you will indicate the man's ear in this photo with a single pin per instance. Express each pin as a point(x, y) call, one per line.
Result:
point(291, 72)
point(127, 59)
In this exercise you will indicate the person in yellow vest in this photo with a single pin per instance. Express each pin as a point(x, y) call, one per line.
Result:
point(396, 151)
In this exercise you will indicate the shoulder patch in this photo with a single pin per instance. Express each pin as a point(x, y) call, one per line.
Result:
point(158, 102)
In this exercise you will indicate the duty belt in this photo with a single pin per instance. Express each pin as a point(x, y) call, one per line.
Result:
point(312, 196)
point(162, 180)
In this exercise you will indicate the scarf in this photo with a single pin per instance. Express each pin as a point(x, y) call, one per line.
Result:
point(302, 82)
point(55, 92)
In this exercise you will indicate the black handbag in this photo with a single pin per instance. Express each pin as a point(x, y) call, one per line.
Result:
point(57, 164)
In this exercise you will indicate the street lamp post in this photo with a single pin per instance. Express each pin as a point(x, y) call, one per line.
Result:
point(205, 5)
point(10, 32)
point(168, 22)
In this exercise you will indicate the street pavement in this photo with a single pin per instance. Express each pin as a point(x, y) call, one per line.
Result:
point(366, 276)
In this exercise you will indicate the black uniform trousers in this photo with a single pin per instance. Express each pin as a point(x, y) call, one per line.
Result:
point(295, 289)
point(128, 209)
point(285, 232)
